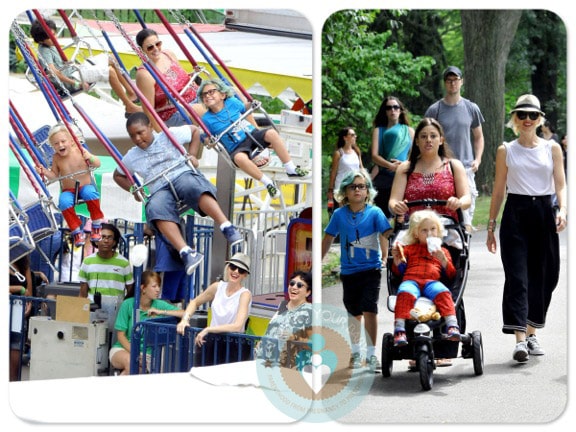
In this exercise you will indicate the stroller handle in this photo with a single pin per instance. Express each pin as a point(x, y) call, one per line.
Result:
point(432, 202)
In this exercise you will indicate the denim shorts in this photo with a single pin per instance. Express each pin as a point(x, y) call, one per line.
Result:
point(189, 187)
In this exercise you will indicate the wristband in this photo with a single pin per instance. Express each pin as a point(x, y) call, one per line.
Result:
point(492, 225)
point(22, 291)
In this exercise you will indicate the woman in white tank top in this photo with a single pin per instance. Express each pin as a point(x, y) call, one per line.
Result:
point(230, 303)
point(529, 171)
point(345, 158)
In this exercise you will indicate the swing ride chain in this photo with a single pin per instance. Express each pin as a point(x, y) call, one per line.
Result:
point(140, 189)
point(71, 175)
point(215, 139)
point(119, 27)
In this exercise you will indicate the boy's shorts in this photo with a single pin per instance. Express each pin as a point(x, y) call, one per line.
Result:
point(248, 144)
point(361, 291)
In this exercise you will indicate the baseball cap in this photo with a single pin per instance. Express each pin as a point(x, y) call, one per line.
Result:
point(452, 70)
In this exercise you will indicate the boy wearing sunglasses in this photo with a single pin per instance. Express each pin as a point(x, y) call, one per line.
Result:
point(364, 230)
point(224, 110)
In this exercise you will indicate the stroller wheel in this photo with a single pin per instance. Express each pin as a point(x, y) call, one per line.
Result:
point(387, 356)
point(478, 353)
point(425, 364)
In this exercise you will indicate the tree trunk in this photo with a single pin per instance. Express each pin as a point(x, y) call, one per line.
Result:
point(487, 37)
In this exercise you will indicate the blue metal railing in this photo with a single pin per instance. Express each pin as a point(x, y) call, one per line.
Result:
point(167, 351)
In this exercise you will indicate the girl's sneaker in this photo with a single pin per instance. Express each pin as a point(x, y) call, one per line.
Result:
point(400, 337)
point(78, 238)
point(96, 233)
point(453, 334)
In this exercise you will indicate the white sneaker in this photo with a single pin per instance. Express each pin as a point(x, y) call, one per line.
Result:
point(374, 363)
point(520, 353)
point(534, 347)
point(355, 361)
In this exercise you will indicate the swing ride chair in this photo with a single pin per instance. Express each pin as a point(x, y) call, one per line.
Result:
point(425, 339)
point(90, 170)
point(43, 145)
point(69, 68)
point(38, 216)
point(20, 238)
point(182, 206)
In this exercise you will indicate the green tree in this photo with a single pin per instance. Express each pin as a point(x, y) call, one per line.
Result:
point(359, 68)
point(544, 39)
point(503, 54)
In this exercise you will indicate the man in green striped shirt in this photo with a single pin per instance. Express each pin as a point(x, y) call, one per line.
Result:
point(107, 272)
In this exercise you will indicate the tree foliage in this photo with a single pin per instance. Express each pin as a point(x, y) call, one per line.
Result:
point(368, 54)
point(359, 68)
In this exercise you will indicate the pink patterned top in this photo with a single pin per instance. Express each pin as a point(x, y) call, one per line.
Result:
point(176, 78)
point(438, 186)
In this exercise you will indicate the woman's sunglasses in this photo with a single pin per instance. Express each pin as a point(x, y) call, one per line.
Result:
point(523, 114)
point(236, 268)
point(298, 284)
point(158, 44)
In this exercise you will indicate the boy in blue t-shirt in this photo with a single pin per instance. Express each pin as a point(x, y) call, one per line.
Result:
point(223, 110)
point(364, 231)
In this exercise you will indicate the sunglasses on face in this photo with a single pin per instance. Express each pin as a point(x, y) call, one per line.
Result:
point(158, 44)
point(523, 114)
point(392, 107)
point(352, 134)
point(236, 268)
point(299, 285)
point(208, 93)
point(353, 187)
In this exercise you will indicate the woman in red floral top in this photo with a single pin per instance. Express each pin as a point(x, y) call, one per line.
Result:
point(430, 172)
point(167, 64)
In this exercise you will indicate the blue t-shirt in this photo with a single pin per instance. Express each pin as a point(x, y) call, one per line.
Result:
point(359, 237)
point(218, 122)
point(160, 155)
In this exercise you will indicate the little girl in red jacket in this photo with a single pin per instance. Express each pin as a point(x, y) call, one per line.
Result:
point(422, 262)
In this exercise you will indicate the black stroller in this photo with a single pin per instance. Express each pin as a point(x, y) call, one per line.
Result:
point(425, 342)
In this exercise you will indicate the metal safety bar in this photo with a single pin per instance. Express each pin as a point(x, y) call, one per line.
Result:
point(156, 347)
